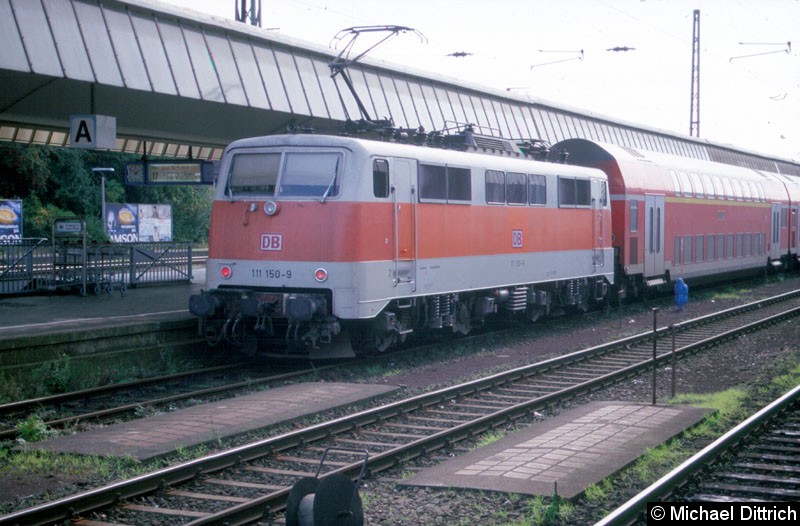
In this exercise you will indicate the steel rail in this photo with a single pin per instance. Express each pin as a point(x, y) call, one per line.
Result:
point(663, 487)
point(253, 510)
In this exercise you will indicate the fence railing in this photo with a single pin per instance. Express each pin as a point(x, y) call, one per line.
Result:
point(31, 266)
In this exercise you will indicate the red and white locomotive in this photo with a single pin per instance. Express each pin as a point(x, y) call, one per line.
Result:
point(319, 239)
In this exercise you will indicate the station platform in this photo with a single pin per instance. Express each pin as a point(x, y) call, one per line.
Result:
point(161, 435)
point(24, 317)
point(569, 452)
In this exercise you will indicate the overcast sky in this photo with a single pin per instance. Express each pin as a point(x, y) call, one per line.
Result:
point(749, 83)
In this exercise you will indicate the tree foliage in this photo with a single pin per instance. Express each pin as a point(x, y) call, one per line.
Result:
point(59, 182)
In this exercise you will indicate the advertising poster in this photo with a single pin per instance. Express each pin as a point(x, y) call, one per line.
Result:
point(10, 220)
point(155, 223)
point(122, 224)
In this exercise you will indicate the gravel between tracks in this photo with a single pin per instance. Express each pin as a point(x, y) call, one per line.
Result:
point(742, 361)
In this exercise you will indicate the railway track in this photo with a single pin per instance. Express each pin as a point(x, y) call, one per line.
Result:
point(251, 482)
point(758, 461)
point(116, 400)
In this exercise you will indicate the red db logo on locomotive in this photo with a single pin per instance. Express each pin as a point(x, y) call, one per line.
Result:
point(271, 241)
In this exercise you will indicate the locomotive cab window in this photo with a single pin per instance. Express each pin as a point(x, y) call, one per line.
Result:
point(253, 174)
point(380, 178)
point(310, 174)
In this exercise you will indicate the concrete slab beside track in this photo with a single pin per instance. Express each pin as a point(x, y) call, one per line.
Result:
point(26, 317)
point(573, 450)
point(206, 423)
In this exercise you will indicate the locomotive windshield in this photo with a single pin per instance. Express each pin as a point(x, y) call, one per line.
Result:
point(289, 174)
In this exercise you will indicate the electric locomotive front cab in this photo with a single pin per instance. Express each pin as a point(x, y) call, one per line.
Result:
point(298, 222)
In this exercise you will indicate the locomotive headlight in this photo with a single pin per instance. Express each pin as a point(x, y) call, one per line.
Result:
point(320, 275)
point(270, 208)
point(226, 272)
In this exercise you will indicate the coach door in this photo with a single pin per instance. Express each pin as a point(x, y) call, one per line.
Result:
point(403, 177)
point(775, 251)
point(654, 235)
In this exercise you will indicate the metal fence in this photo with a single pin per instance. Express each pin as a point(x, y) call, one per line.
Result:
point(31, 266)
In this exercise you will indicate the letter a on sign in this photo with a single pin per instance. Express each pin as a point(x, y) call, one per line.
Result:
point(92, 131)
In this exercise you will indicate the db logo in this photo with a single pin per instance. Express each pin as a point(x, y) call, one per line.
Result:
point(271, 241)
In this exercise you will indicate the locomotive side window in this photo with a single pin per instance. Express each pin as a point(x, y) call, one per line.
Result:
point(432, 182)
point(444, 183)
point(574, 192)
point(380, 178)
point(537, 189)
point(495, 187)
point(310, 175)
point(459, 184)
point(517, 188)
point(253, 174)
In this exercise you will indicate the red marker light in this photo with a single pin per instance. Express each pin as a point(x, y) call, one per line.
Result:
point(320, 275)
point(226, 272)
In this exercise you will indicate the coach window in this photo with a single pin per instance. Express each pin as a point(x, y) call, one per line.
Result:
point(685, 184)
point(699, 245)
point(537, 189)
point(677, 257)
point(516, 188)
point(720, 246)
point(495, 187)
point(761, 192)
point(710, 247)
point(698, 186)
point(737, 189)
point(708, 186)
point(729, 246)
point(253, 174)
point(675, 183)
point(739, 242)
point(634, 219)
point(718, 189)
point(726, 183)
point(687, 250)
point(746, 191)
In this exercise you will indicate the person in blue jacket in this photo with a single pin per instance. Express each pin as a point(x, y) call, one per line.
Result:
point(681, 294)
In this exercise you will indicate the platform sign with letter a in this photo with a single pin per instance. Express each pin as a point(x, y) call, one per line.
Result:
point(92, 131)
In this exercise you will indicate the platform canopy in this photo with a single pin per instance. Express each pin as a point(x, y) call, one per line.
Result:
point(186, 84)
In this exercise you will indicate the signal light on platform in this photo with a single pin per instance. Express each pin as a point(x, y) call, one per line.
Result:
point(320, 275)
point(226, 272)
